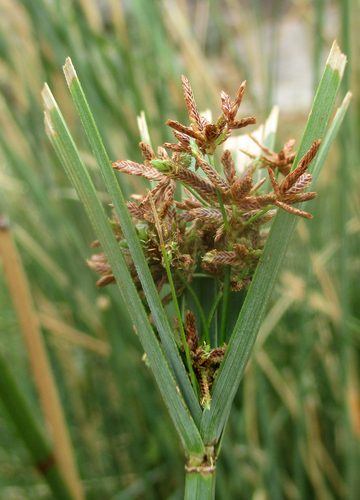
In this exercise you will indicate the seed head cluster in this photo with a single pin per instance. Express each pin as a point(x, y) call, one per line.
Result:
point(218, 221)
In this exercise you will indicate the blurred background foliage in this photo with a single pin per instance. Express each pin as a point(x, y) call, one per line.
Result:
point(294, 431)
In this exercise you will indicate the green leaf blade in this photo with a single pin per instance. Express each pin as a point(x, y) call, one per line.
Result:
point(253, 310)
point(78, 174)
point(132, 239)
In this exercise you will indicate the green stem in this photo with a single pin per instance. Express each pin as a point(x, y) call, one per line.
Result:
point(198, 305)
point(222, 208)
point(202, 275)
point(225, 310)
point(257, 215)
point(214, 307)
point(226, 295)
point(29, 431)
point(182, 331)
point(194, 193)
point(199, 485)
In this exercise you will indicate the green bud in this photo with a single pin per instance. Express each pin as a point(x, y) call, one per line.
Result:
point(143, 235)
point(164, 166)
point(123, 244)
point(255, 254)
point(142, 231)
point(185, 160)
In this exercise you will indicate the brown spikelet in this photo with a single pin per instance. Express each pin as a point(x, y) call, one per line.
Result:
point(236, 285)
point(149, 217)
point(273, 181)
point(106, 280)
point(223, 258)
point(266, 199)
point(190, 103)
point(228, 166)
point(189, 203)
point(138, 197)
point(169, 191)
point(211, 132)
point(177, 148)
point(249, 203)
point(95, 243)
point(304, 163)
point(147, 151)
point(184, 261)
point(184, 130)
point(181, 205)
point(215, 178)
point(202, 185)
point(186, 216)
point(210, 267)
point(310, 155)
point(192, 335)
point(99, 264)
point(98, 257)
point(204, 388)
point(241, 188)
point(220, 233)
point(208, 214)
point(135, 210)
point(301, 184)
point(217, 355)
point(289, 145)
point(302, 197)
point(293, 210)
point(258, 185)
point(181, 137)
point(235, 105)
point(133, 168)
point(226, 103)
point(244, 122)
point(162, 153)
point(240, 250)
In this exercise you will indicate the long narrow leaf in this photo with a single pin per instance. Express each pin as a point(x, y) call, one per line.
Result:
point(39, 361)
point(162, 324)
point(30, 432)
point(78, 174)
point(258, 296)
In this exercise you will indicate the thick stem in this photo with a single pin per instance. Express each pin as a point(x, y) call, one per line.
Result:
point(200, 483)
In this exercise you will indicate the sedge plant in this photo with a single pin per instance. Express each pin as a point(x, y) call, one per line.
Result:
point(200, 217)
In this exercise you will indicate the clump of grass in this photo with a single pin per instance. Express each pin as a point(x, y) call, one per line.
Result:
point(151, 243)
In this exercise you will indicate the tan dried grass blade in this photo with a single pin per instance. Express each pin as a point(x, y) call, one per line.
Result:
point(63, 331)
point(29, 325)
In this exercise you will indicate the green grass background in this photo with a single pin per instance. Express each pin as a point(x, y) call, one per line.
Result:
point(294, 430)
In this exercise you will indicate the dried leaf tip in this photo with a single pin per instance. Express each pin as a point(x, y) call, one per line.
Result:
point(49, 127)
point(336, 59)
point(69, 71)
point(143, 129)
point(347, 99)
point(48, 98)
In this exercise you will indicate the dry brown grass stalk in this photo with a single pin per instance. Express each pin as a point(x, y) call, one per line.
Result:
point(40, 367)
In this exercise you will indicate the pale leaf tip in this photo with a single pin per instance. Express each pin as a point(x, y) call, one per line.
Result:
point(347, 99)
point(336, 59)
point(48, 98)
point(49, 128)
point(69, 71)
